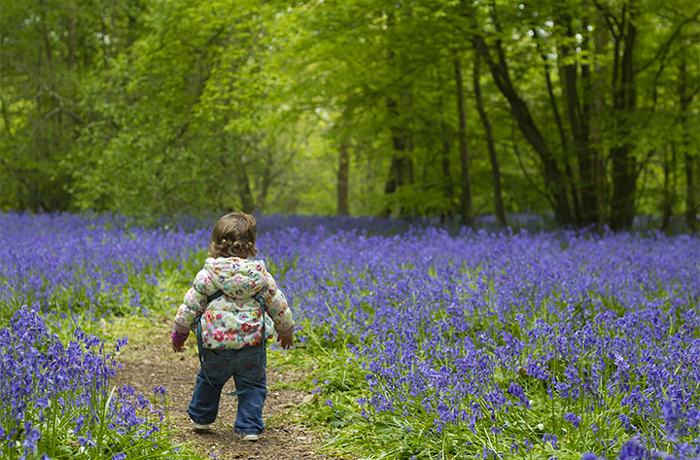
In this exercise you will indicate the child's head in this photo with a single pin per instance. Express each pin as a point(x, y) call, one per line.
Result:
point(234, 235)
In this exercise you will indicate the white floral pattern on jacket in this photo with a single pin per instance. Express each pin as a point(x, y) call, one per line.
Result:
point(233, 320)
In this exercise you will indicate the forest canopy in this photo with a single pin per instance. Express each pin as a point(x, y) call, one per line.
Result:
point(585, 109)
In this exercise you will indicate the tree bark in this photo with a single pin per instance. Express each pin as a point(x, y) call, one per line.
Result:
point(245, 193)
point(553, 177)
point(692, 173)
point(624, 165)
point(586, 152)
point(447, 176)
point(401, 169)
point(669, 198)
point(495, 168)
point(554, 180)
point(264, 181)
point(693, 190)
point(594, 89)
point(565, 144)
point(343, 178)
point(466, 207)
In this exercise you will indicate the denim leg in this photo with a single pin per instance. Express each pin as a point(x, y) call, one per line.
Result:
point(205, 400)
point(250, 378)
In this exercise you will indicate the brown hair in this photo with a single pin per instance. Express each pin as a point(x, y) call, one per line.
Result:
point(234, 235)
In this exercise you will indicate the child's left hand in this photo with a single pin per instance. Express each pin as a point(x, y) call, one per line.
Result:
point(286, 341)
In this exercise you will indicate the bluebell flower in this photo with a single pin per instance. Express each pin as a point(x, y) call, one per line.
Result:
point(572, 418)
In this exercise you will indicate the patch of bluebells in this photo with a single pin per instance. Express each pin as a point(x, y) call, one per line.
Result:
point(463, 331)
point(477, 329)
point(54, 396)
point(67, 261)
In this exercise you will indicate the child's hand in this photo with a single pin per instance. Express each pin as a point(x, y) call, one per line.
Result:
point(286, 341)
point(178, 340)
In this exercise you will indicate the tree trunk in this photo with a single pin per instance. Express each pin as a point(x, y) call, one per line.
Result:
point(594, 89)
point(587, 154)
point(693, 190)
point(692, 168)
point(246, 194)
point(466, 201)
point(495, 168)
point(554, 180)
point(343, 178)
point(669, 198)
point(264, 181)
point(565, 144)
point(578, 114)
point(401, 169)
point(624, 165)
point(448, 215)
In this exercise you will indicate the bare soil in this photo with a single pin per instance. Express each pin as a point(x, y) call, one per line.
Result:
point(152, 363)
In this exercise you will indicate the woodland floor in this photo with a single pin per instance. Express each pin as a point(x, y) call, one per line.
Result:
point(151, 363)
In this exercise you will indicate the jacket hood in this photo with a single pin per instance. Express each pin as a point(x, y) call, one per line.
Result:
point(237, 278)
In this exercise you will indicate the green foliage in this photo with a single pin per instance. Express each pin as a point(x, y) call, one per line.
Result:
point(146, 106)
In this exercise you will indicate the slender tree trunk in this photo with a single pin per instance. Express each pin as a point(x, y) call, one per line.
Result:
point(669, 198)
point(623, 162)
point(466, 202)
point(565, 144)
point(690, 155)
point(594, 89)
point(264, 181)
point(401, 169)
point(343, 178)
point(582, 192)
point(495, 168)
point(587, 154)
point(554, 180)
point(245, 193)
point(693, 190)
point(449, 214)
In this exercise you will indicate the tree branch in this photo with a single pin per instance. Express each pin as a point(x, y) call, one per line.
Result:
point(663, 49)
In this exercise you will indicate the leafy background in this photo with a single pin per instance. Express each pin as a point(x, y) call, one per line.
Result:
point(585, 110)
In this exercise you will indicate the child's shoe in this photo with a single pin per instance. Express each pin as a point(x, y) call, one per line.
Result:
point(251, 437)
point(200, 428)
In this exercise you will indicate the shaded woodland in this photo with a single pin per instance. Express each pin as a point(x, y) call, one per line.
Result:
point(586, 110)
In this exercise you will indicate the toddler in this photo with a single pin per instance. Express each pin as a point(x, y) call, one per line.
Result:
point(224, 308)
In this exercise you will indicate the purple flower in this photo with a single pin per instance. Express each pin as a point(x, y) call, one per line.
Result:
point(633, 451)
point(159, 390)
point(572, 418)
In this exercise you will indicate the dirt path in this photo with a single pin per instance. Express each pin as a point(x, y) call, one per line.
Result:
point(148, 365)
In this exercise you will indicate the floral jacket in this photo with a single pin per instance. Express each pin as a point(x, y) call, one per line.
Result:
point(233, 320)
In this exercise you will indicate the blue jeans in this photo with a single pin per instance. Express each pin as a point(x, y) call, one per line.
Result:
point(247, 367)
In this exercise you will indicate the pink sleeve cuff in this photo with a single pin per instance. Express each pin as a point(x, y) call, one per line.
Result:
point(179, 337)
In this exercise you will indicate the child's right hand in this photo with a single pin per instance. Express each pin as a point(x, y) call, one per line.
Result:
point(177, 346)
point(286, 341)
point(178, 340)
